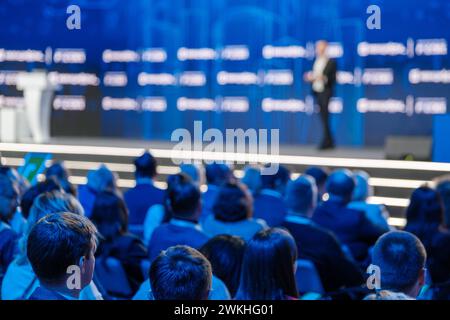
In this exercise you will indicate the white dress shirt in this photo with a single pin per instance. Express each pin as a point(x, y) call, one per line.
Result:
point(318, 68)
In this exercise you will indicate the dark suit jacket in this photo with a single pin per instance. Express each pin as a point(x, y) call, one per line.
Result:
point(8, 248)
point(350, 226)
point(270, 209)
point(321, 247)
point(330, 73)
point(42, 293)
point(139, 199)
point(168, 235)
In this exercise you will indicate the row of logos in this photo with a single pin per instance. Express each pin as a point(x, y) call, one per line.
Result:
point(410, 48)
point(357, 77)
point(409, 106)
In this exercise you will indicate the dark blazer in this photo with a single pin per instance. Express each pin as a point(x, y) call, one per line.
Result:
point(321, 247)
point(350, 226)
point(8, 248)
point(139, 199)
point(42, 293)
point(270, 209)
point(130, 251)
point(330, 73)
point(168, 235)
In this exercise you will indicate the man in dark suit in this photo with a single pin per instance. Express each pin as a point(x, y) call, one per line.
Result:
point(315, 243)
point(351, 227)
point(323, 79)
point(145, 194)
point(61, 250)
point(183, 228)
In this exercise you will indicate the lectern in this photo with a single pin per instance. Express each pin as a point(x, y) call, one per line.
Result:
point(38, 94)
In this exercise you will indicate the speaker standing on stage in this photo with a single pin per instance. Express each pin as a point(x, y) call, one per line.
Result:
point(323, 79)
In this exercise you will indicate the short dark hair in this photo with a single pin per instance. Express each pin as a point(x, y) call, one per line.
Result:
point(319, 174)
point(341, 183)
point(301, 194)
point(145, 165)
point(400, 256)
point(217, 173)
point(110, 214)
point(180, 273)
point(232, 203)
point(58, 241)
point(61, 174)
point(271, 181)
point(27, 200)
point(184, 196)
point(225, 253)
point(268, 267)
point(8, 198)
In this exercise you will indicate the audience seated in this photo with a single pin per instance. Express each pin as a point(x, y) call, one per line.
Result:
point(232, 213)
point(61, 175)
point(252, 179)
point(98, 181)
point(315, 243)
point(27, 200)
point(401, 259)
point(376, 213)
point(351, 227)
point(320, 176)
point(268, 204)
point(55, 243)
point(8, 238)
point(145, 194)
point(194, 172)
point(110, 215)
point(20, 280)
point(183, 200)
point(425, 219)
point(217, 174)
point(225, 253)
point(443, 187)
point(180, 273)
point(268, 267)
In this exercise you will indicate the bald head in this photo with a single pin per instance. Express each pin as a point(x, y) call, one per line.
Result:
point(340, 184)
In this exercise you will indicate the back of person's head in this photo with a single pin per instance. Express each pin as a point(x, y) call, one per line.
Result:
point(59, 241)
point(252, 179)
point(443, 187)
point(110, 215)
point(18, 180)
point(278, 180)
point(401, 259)
point(44, 204)
point(61, 174)
point(102, 179)
point(48, 185)
point(362, 190)
point(194, 172)
point(340, 185)
point(424, 214)
point(8, 198)
point(180, 273)
point(225, 253)
point(319, 174)
point(183, 198)
point(146, 166)
point(268, 267)
point(301, 195)
point(217, 173)
point(233, 203)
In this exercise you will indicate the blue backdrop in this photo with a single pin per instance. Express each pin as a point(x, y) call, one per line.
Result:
point(172, 24)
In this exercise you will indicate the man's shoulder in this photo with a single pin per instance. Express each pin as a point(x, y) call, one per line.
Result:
point(41, 293)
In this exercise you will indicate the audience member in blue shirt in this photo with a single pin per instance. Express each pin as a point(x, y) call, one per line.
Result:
point(56, 243)
point(8, 238)
point(216, 175)
point(252, 179)
point(225, 253)
point(320, 176)
point(145, 194)
point(268, 204)
point(183, 201)
point(351, 227)
point(232, 213)
point(110, 215)
point(180, 273)
point(61, 174)
point(315, 243)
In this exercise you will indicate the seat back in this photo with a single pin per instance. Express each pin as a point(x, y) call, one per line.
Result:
point(307, 277)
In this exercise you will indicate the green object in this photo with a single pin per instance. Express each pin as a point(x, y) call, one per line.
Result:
point(34, 165)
